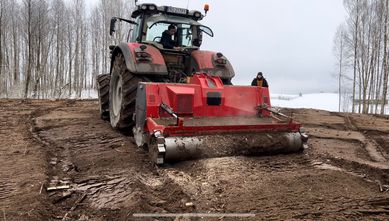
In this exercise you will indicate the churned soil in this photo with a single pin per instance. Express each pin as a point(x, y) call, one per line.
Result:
point(60, 161)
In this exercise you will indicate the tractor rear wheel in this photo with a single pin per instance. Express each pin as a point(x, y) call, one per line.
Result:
point(102, 82)
point(122, 95)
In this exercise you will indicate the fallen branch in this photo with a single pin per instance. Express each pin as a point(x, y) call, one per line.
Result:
point(63, 197)
point(380, 185)
point(377, 211)
point(78, 202)
point(40, 191)
point(64, 187)
point(118, 150)
point(383, 188)
point(75, 205)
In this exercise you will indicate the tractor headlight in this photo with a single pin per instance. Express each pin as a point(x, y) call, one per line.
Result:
point(143, 7)
point(221, 61)
point(152, 7)
point(142, 55)
point(197, 15)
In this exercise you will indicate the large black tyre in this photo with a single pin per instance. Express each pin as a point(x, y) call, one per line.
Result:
point(102, 82)
point(122, 95)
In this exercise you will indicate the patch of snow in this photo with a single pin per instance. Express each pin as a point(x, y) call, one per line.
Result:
point(85, 94)
point(322, 101)
point(89, 94)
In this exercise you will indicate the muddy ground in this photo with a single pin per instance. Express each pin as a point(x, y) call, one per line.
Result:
point(343, 175)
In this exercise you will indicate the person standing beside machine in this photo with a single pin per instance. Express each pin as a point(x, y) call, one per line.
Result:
point(259, 81)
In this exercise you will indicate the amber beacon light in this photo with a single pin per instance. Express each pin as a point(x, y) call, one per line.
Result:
point(206, 8)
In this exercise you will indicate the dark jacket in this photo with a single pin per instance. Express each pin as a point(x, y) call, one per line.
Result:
point(166, 40)
point(255, 82)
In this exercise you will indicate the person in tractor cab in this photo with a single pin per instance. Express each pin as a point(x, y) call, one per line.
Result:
point(166, 39)
point(259, 81)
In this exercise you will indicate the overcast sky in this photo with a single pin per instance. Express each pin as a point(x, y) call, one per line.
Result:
point(290, 41)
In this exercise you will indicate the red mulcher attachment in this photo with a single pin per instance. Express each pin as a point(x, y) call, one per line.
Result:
point(208, 119)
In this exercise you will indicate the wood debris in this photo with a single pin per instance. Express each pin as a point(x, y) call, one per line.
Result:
point(52, 188)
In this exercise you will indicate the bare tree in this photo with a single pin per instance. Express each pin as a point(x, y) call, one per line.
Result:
point(28, 12)
point(41, 44)
point(58, 15)
point(14, 10)
point(353, 8)
point(339, 51)
point(385, 71)
point(367, 43)
point(51, 48)
point(3, 81)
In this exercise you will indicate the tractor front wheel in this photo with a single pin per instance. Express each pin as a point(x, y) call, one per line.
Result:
point(122, 95)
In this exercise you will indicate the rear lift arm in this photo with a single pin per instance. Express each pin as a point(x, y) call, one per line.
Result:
point(170, 111)
point(304, 136)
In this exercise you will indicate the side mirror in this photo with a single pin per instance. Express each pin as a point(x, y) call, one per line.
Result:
point(112, 26)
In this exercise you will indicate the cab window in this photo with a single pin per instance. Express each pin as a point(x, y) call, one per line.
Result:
point(154, 33)
point(185, 35)
point(135, 31)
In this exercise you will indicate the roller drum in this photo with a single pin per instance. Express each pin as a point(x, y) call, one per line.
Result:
point(185, 148)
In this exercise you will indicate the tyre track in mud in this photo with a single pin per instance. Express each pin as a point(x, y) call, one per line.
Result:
point(278, 187)
point(22, 160)
point(86, 154)
point(373, 151)
point(334, 184)
point(370, 159)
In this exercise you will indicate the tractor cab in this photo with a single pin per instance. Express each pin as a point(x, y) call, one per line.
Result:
point(151, 21)
point(189, 33)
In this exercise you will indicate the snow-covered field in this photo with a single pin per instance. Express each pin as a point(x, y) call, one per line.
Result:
point(87, 94)
point(323, 101)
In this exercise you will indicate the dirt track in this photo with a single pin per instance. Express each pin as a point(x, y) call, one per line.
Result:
point(344, 174)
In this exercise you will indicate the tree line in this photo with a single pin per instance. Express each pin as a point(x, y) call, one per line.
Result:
point(361, 48)
point(55, 48)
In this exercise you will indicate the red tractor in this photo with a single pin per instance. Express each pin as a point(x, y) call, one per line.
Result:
point(179, 102)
